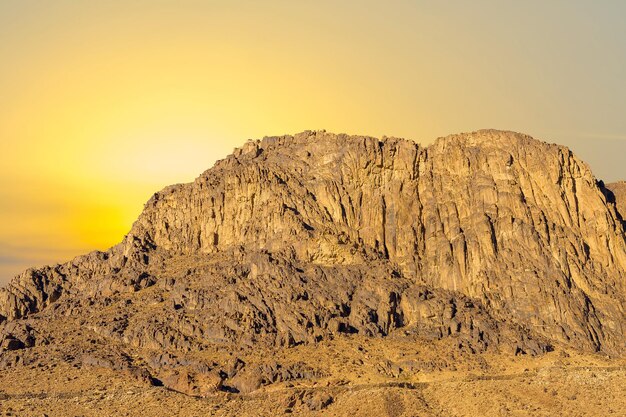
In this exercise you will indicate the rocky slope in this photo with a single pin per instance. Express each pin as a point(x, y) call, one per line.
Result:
point(488, 242)
point(617, 194)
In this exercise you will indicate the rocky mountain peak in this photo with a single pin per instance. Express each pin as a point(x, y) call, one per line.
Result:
point(491, 239)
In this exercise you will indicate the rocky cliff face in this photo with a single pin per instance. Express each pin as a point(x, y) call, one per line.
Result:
point(491, 239)
point(617, 194)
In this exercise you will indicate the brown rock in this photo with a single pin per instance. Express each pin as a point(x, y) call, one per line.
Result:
point(192, 383)
point(490, 240)
point(618, 196)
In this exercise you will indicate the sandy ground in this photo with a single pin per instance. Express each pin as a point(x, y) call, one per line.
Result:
point(359, 382)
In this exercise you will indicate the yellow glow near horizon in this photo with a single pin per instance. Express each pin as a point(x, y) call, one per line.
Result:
point(104, 103)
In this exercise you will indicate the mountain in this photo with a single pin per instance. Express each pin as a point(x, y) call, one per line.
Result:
point(485, 243)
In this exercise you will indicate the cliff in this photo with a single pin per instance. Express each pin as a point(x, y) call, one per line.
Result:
point(491, 239)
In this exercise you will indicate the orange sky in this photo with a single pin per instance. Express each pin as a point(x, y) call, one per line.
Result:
point(104, 103)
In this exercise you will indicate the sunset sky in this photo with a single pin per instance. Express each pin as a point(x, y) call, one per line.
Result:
point(103, 103)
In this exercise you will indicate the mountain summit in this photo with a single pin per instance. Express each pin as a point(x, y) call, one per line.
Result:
point(484, 242)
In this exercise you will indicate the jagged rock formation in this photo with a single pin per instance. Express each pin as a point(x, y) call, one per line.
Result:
point(617, 194)
point(491, 239)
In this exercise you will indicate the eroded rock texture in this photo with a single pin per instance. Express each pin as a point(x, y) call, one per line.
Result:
point(617, 194)
point(492, 239)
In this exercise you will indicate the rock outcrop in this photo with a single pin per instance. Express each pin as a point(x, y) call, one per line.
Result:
point(491, 239)
point(617, 194)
